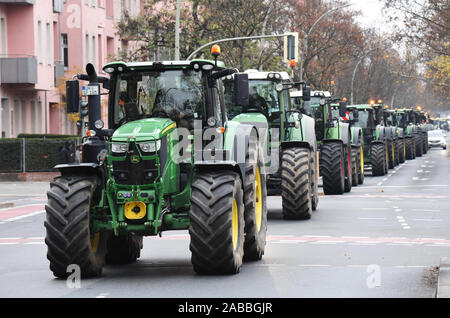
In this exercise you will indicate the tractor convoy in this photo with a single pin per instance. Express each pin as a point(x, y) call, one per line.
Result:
point(196, 146)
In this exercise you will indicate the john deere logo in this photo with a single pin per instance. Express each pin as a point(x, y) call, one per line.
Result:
point(135, 159)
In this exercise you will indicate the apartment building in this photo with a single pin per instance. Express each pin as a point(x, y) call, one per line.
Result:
point(43, 41)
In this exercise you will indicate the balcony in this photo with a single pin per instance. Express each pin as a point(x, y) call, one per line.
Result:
point(18, 70)
point(18, 1)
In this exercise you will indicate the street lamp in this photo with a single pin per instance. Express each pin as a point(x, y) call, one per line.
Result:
point(305, 40)
point(356, 67)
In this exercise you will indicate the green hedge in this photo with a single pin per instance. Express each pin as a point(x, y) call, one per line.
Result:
point(10, 155)
point(44, 136)
point(40, 154)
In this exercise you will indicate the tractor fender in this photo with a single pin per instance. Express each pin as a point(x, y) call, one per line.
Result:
point(87, 168)
point(346, 135)
point(309, 132)
point(235, 152)
point(356, 136)
point(296, 144)
point(388, 133)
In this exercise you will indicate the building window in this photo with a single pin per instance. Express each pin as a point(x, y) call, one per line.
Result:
point(3, 42)
point(94, 51)
point(49, 44)
point(40, 44)
point(87, 49)
point(65, 50)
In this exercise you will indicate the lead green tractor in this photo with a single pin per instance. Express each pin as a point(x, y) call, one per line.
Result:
point(289, 140)
point(170, 160)
point(334, 141)
point(374, 135)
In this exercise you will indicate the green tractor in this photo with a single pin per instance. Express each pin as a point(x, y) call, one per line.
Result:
point(421, 122)
point(170, 160)
point(392, 120)
point(409, 129)
point(289, 140)
point(391, 133)
point(357, 142)
point(334, 141)
point(375, 144)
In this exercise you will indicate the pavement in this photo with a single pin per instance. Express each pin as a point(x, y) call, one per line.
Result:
point(389, 237)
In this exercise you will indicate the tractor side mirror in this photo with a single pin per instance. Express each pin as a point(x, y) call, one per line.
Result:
point(241, 94)
point(72, 96)
point(342, 109)
point(306, 93)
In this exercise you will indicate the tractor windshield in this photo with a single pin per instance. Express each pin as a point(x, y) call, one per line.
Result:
point(365, 119)
point(157, 94)
point(263, 98)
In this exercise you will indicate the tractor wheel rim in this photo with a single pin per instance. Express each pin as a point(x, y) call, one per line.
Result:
point(258, 199)
point(235, 224)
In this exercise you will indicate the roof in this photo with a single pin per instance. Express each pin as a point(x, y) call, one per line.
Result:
point(313, 93)
point(149, 64)
point(258, 75)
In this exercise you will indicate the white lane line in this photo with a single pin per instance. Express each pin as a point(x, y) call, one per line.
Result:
point(429, 220)
point(375, 208)
point(426, 210)
point(23, 216)
point(372, 218)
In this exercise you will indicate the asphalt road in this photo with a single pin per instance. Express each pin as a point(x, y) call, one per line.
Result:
point(384, 239)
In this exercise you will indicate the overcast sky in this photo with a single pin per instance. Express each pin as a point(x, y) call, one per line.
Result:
point(371, 14)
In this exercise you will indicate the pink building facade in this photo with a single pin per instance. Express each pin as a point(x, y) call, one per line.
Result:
point(43, 41)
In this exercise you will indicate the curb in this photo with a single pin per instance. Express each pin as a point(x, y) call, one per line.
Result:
point(443, 284)
point(5, 205)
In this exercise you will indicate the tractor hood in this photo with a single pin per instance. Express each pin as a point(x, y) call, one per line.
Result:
point(144, 129)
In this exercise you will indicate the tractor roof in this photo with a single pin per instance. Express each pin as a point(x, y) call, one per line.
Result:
point(150, 64)
point(313, 94)
point(257, 75)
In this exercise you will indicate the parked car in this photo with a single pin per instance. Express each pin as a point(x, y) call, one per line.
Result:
point(436, 138)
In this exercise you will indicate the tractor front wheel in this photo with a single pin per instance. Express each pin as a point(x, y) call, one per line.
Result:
point(296, 184)
point(332, 167)
point(217, 223)
point(69, 237)
point(378, 159)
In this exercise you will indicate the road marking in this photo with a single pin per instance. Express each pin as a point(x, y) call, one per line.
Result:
point(425, 210)
point(372, 218)
point(375, 208)
point(17, 213)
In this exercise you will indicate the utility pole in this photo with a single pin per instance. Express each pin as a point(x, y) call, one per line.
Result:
point(305, 39)
point(177, 31)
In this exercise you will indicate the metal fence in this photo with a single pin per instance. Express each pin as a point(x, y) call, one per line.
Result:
point(31, 155)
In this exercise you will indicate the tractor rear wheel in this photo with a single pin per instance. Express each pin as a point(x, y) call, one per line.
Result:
point(354, 167)
point(360, 164)
point(314, 180)
point(69, 238)
point(419, 145)
point(425, 142)
point(348, 168)
point(296, 184)
point(255, 197)
point(409, 146)
point(217, 223)
point(391, 156)
point(332, 167)
point(401, 150)
point(378, 159)
point(124, 249)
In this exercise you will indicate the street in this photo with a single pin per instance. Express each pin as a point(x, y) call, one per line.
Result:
point(384, 239)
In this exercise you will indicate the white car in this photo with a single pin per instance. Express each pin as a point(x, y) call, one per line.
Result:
point(436, 139)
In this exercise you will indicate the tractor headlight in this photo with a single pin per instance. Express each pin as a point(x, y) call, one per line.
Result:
point(150, 146)
point(119, 147)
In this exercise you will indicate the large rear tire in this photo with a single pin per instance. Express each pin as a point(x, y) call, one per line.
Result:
point(409, 146)
point(296, 192)
point(314, 180)
point(419, 145)
point(255, 197)
point(332, 167)
point(391, 155)
point(401, 150)
point(355, 167)
point(360, 161)
point(69, 238)
point(217, 223)
point(378, 159)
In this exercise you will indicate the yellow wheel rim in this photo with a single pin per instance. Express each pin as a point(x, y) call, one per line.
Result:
point(258, 199)
point(94, 242)
point(362, 160)
point(235, 224)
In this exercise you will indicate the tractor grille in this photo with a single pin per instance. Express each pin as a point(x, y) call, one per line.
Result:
point(143, 172)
